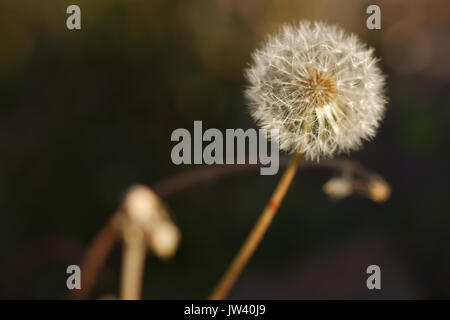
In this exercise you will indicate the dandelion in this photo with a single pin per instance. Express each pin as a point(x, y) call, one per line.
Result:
point(323, 91)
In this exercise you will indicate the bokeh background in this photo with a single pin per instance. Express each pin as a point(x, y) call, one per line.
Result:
point(85, 114)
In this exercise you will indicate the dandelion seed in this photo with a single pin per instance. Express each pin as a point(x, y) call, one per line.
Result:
point(321, 88)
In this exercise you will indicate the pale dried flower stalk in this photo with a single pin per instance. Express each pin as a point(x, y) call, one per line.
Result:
point(145, 224)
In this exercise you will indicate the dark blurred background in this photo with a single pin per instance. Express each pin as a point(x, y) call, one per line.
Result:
point(85, 114)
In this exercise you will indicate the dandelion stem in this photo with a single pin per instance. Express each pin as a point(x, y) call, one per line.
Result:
point(255, 236)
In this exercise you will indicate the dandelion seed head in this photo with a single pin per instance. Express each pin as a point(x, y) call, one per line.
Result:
point(319, 87)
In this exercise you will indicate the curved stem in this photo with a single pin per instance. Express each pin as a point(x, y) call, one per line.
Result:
point(255, 236)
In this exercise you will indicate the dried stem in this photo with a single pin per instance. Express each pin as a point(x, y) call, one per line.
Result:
point(100, 248)
point(255, 236)
point(95, 257)
point(133, 261)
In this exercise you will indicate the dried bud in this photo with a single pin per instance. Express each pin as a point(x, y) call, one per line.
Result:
point(379, 190)
point(164, 240)
point(145, 211)
point(338, 188)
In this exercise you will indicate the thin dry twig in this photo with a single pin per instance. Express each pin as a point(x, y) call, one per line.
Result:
point(257, 233)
